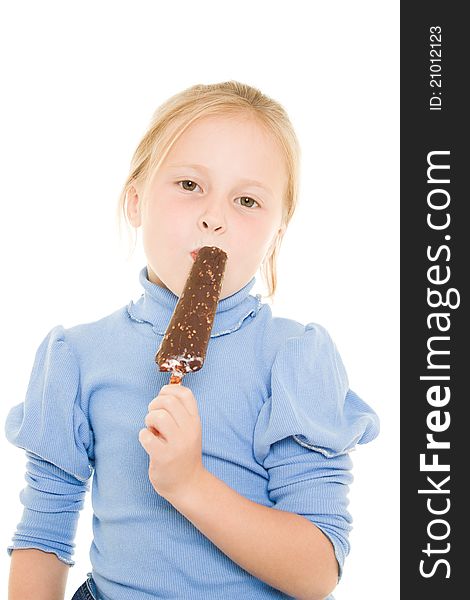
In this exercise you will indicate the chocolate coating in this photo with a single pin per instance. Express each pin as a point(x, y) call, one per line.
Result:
point(184, 345)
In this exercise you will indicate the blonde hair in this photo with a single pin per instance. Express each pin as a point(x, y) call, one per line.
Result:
point(177, 113)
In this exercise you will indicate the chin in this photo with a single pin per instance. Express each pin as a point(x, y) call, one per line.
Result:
point(231, 288)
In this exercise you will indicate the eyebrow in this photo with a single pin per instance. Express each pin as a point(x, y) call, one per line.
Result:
point(252, 182)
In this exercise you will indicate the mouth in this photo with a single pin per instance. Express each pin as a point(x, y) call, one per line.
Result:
point(194, 253)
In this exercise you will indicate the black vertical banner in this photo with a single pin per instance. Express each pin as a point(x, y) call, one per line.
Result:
point(434, 261)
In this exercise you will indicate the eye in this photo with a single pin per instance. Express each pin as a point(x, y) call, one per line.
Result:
point(247, 202)
point(188, 185)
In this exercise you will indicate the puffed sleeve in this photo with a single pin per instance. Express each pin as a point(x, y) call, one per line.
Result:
point(305, 431)
point(51, 425)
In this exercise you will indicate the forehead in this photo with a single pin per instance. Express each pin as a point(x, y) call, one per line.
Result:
point(234, 145)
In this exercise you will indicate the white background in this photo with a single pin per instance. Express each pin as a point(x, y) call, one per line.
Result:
point(80, 82)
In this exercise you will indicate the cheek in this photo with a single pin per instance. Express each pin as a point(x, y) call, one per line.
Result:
point(161, 220)
point(166, 232)
point(169, 208)
point(258, 236)
point(250, 248)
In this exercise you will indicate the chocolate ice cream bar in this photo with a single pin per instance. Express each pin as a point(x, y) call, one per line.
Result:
point(184, 345)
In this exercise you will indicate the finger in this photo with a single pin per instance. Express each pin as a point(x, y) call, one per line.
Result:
point(162, 422)
point(149, 441)
point(174, 405)
point(184, 395)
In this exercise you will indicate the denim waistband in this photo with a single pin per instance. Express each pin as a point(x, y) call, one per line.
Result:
point(87, 591)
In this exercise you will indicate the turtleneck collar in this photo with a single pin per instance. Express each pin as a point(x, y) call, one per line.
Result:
point(156, 306)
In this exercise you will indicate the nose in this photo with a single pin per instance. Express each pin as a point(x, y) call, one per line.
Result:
point(212, 221)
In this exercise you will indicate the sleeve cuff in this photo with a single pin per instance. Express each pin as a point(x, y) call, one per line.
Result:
point(338, 546)
point(50, 532)
point(19, 545)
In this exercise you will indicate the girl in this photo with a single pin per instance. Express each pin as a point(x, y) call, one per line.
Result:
point(235, 483)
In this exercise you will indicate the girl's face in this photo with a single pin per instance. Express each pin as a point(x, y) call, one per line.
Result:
point(221, 185)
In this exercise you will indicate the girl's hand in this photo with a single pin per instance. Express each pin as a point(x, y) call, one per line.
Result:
point(173, 441)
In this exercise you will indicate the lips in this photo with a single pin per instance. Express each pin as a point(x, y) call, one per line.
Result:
point(194, 252)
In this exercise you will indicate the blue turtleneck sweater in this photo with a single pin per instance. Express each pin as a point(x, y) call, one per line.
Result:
point(278, 420)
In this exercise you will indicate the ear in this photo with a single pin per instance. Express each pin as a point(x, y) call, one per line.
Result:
point(277, 236)
point(133, 207)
